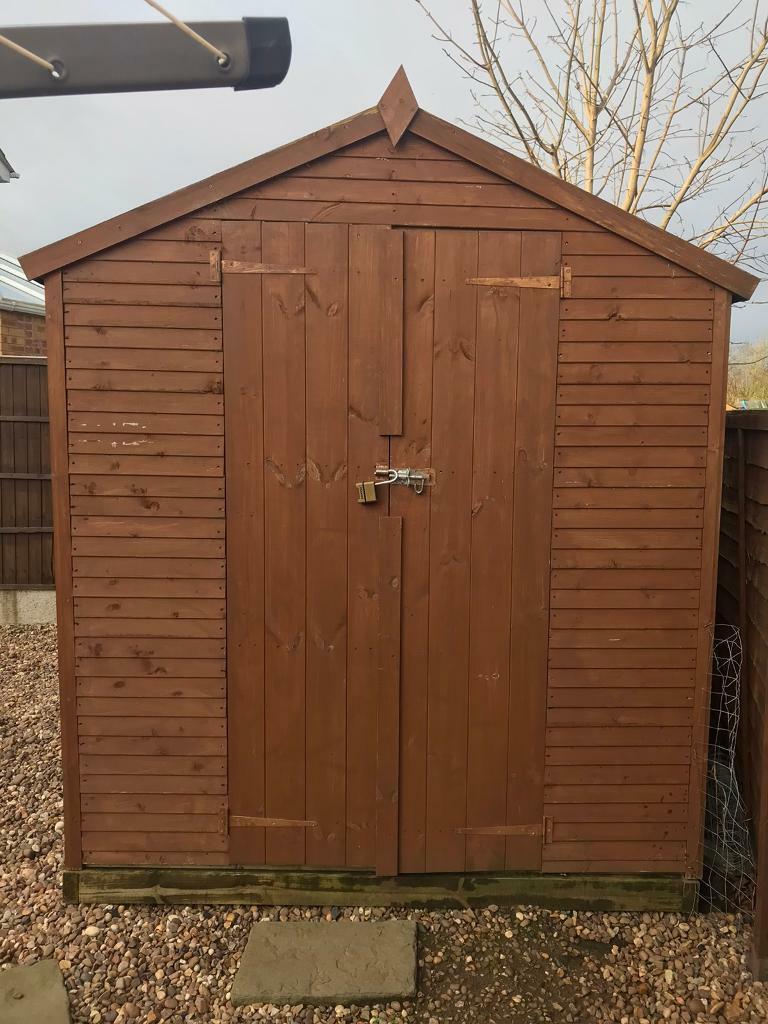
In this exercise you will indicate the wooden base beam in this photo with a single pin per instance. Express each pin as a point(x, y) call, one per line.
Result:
point(758, 965)
point(361, 888)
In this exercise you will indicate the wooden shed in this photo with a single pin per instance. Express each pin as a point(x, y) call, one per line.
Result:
point(499, 666)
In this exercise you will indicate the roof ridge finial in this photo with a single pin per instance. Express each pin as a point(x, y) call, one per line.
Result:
point(398, 106)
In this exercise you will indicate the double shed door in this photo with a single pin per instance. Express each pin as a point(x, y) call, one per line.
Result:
point(387, 662)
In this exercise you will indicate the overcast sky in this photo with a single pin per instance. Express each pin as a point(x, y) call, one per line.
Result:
point(85, 158)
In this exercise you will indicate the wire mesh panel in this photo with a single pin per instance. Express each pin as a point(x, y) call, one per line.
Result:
point(729, 862)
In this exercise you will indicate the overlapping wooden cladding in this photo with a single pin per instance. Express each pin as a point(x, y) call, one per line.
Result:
point(368, 183)
point(145, 439)
point(630, 476)
point(626, 671)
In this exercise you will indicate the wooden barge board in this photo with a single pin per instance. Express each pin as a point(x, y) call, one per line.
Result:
point(669, 893)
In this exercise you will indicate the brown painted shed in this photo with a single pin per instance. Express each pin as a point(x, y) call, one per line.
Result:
point(505, 673)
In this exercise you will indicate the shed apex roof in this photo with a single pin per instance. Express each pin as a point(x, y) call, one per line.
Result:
point(396, 112)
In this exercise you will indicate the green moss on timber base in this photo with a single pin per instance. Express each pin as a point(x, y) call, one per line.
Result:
point(358, 888)
point(71, 887)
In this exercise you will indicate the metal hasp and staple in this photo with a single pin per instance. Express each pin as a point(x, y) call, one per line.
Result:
point(143, 57)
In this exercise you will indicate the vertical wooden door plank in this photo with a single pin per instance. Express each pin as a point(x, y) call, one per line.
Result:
point(532, 521)
point(285, 540)
point(244, 458)
point(388, 694)
point(54, 334)
point(414, 448)
point(450, 540)
point(498, 320)
point(327, 510)
point(366, 448)
point(388, 323)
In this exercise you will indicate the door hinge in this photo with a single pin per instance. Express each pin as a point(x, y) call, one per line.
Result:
point(500, 830)
point(548, 829)
point(230, 821)
point(517, 282)
point(566, 278)
point(241, 267)
point(215, 262)
point(561, 281)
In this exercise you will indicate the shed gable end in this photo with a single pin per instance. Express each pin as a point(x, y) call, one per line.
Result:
point(412, 183)
point(398, 113)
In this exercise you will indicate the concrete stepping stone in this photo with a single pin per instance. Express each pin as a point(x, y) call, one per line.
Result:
point(320, 962)
point(33, 995)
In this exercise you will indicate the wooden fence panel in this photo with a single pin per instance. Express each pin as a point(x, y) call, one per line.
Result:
point(742, 601)
point(26, 526)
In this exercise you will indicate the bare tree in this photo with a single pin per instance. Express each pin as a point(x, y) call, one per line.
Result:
point(747, 373)
point(637, 101)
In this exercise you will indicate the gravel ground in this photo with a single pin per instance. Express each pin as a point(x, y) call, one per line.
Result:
point(147, 965)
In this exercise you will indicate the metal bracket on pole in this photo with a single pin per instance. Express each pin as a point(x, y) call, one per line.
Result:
point(143, 57)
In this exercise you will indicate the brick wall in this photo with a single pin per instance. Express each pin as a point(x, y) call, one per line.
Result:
point(21, 334)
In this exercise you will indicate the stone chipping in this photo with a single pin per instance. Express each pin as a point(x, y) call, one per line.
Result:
point(146, 964)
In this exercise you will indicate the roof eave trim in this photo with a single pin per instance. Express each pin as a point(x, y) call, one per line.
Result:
point(187, 200)
point(739, 283)
point(14, 306)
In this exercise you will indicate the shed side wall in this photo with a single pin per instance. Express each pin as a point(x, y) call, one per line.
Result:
point(721, 330)
point(62, 557)
point(631, 589)
point(146, 500)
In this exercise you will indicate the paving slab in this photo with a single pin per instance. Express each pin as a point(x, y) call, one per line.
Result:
point(321, 962)
point(33, 995)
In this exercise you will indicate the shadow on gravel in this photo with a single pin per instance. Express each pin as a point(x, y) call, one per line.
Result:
point(527, 969)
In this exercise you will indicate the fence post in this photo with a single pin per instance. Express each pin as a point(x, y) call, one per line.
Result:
point(760, 827)
point(742, 529)
point(760, 923)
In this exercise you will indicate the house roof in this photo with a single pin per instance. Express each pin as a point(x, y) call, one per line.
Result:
point(6, 171)
point(396, 113)
point(16, 292)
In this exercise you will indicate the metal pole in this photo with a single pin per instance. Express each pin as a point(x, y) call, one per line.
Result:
point(67, 60)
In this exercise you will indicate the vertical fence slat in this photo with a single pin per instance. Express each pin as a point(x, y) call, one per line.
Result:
point(742, 512)
point(25, 486)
